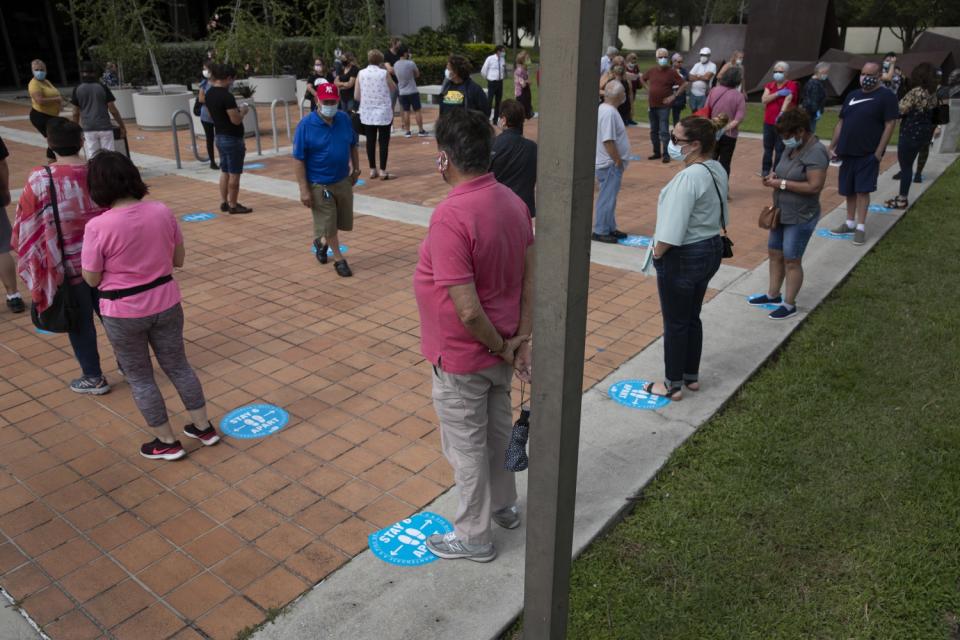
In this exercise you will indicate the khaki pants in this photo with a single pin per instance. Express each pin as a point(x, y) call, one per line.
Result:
point(476, 421)
point(333, 213)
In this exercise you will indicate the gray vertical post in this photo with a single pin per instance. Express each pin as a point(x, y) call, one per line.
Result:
point(515, 35)
point(572, 32)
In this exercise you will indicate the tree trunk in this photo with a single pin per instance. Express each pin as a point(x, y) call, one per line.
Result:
point(611, 15)
point(497, 21)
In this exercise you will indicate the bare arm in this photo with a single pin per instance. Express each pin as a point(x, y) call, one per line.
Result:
point(236, 115)
point(40, 99)
point(524, 359)
point(813, 185)
point(476, 321)
point(836, 135)
point(112, 108)
point(300, 170)
point(391, 83)
point(92, 278)
point(768, 96)
point(611, 147)
point(885, 138)
point(356, 92)
point(179, 255)
point(75, 115)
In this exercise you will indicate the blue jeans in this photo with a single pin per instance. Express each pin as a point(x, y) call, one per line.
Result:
point(792, 239)
point(83, 338)
point(659, 128)
point(677, 110)
point(682, 277)
point(232, 152)
point(697, 102)
point(606, 211)
point(771, 143)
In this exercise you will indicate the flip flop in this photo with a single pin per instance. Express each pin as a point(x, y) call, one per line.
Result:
point(670, 395)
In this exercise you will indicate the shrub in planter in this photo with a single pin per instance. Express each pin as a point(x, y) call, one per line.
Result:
point(477, 52)
point(431, 69)
point(430, 42)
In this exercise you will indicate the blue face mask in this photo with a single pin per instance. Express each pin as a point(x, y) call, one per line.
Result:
point(778, 76)
point(328, 110)
point(676, 151)
point(791, 143)
point(40, 75)
point(663, 61)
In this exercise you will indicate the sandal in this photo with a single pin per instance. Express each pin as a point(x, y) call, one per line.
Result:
point(899, 202)
point(671, 394)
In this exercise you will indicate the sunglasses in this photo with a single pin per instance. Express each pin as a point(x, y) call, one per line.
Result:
point(675, 140)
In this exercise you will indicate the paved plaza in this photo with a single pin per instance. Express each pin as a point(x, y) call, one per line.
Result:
point(100, 542)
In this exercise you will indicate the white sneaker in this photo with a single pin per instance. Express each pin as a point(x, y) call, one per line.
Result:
point(449, 547)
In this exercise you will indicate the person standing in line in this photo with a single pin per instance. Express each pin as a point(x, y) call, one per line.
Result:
point(45, 101)
point(613, 149)
point(390, 59)
point(618, 71)
point(110, 76)
point(346, 82)
point(701, 76)
point(736, 60)
point(514, 161)
point(493, 71)
point(407, 74)
point(93, 104)
point(129, 252)
point(663, 84)
point(860, 139)
point(632, 77)
point(942, 94)
point(8, 268)
point(41, 265)
point(228, 126)
point(324, 148)
point(606, 61)
point(796, 184)
point(474, 290)
point(778, 97)
point(726, 100)
point(319, 76)
point(521, 84)
point(814, 97)
point(681, 100)
point(374, 88)
point(917, 112)
point(891, 76)
point(460, 91)
point(686, 250)
point(205, 120)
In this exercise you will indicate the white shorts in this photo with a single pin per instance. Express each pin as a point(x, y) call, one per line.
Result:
point(93, 141)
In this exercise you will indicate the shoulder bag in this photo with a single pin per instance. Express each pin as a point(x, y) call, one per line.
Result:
point(61, 315)
point(724, 238)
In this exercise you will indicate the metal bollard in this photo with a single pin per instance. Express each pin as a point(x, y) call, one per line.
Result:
point(273, 122)
point(176, 140)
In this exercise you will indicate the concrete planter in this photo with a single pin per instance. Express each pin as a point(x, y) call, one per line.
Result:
point(169, 88)
point(124, 102)
point(249, 122)
point(154, 110)
point(270, 88)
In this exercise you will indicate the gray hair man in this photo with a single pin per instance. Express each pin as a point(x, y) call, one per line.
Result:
point(607, 60)
point(664, 84)
point(613, 149)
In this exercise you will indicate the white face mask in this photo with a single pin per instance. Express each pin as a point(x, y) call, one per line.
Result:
point(328, 110)
point(206, 73)
point(676, 151)
point(446, 73)
point(704, 59)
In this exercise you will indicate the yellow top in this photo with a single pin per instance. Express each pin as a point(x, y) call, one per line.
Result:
point(46, 89)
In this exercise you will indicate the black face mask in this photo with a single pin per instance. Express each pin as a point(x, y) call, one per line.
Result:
point(66, 151)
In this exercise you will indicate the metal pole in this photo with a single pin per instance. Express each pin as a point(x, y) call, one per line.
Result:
point(572, 31)
point(514, 35)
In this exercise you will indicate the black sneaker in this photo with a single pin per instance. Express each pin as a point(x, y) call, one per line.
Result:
point(224, 207)
point(214, 166)
point(764, 299)
point(208, 436)
point(608, 238)
point(896, 176)
point(666, 159)
point(16, 305)
point(655, 156)
point(918, 178)
point(343, 269)
point(782, 313)
point(157, 450)
point(321, 248)
point(619, 235)
point(91, 386)
point(239, 209)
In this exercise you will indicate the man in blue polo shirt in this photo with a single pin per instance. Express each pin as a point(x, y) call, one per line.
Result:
point(860, 139)
point(325, 148)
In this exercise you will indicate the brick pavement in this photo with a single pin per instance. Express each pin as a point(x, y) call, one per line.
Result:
point(99, 542)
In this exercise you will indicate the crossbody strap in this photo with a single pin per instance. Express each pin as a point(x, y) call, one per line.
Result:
point(719, 196)
point(116, 294)
point(56, 219)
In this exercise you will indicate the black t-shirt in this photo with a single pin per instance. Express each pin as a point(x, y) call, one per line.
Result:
point(391, 58)
point(312, 82)
point(864, 116)
point(218, 100)
point(4, 154)
point(514, 164)
point(346, 95)
point(464, 94)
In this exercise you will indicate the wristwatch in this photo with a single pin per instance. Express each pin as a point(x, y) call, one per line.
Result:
point(503, 343)
point(783, 185)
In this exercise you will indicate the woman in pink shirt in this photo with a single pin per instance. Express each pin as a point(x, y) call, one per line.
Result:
point(521, 83)
point(129, 252)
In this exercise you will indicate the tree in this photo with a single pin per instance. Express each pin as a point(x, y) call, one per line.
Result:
point(254, 34)
point(114, 27)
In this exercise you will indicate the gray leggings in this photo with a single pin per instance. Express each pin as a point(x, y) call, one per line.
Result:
point(132, 338)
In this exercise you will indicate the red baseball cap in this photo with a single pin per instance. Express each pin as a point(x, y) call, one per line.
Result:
point(328, 91)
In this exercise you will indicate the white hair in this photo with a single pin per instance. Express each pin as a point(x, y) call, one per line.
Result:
point(611, 50)
point(614, 90)
point(784, 64)
point(821, 66)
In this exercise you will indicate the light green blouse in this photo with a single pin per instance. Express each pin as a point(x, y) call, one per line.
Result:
point(689, 210)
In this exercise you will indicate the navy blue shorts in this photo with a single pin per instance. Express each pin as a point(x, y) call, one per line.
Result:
point(232, 152)
point(411, 101)
point(858, 174)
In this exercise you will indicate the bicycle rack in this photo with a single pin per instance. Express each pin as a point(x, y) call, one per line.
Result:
point(304, 107)
point(256, 127)
point(273, 122)
point(193, 137)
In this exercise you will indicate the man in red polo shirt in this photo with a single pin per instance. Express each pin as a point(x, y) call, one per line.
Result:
point(664, 84)
point(474, 289)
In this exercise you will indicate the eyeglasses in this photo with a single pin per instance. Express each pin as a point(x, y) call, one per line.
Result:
point(675, 140)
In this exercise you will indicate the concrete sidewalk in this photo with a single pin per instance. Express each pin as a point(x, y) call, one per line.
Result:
point(620, 451)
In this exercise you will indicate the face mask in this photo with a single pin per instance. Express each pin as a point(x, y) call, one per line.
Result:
point(205, 73)
point(824, 76)
point(676, 151)
point(502, 56)
point(869, 82)
point(739, 62)
point(328, 110)
point(618, 69)
point(791, 143)
point(778, 76)
point(704, 59)
point(443, 164)
point(663, 62)
point(40, 75)
point(66, 151)
point(446, 73)
point(886, 65)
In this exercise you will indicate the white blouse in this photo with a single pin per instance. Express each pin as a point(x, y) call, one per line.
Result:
point(375, 106)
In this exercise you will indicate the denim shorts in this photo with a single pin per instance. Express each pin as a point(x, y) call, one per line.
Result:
point(232, 152)
point(792, 239)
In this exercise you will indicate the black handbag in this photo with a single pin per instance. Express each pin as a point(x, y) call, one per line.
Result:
point(516, 455)
point(197, 107)
point(61, 315)
point(724, 238)
point(941, 115)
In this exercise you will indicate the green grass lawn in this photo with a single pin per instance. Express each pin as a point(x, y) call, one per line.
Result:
point(824, 501)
